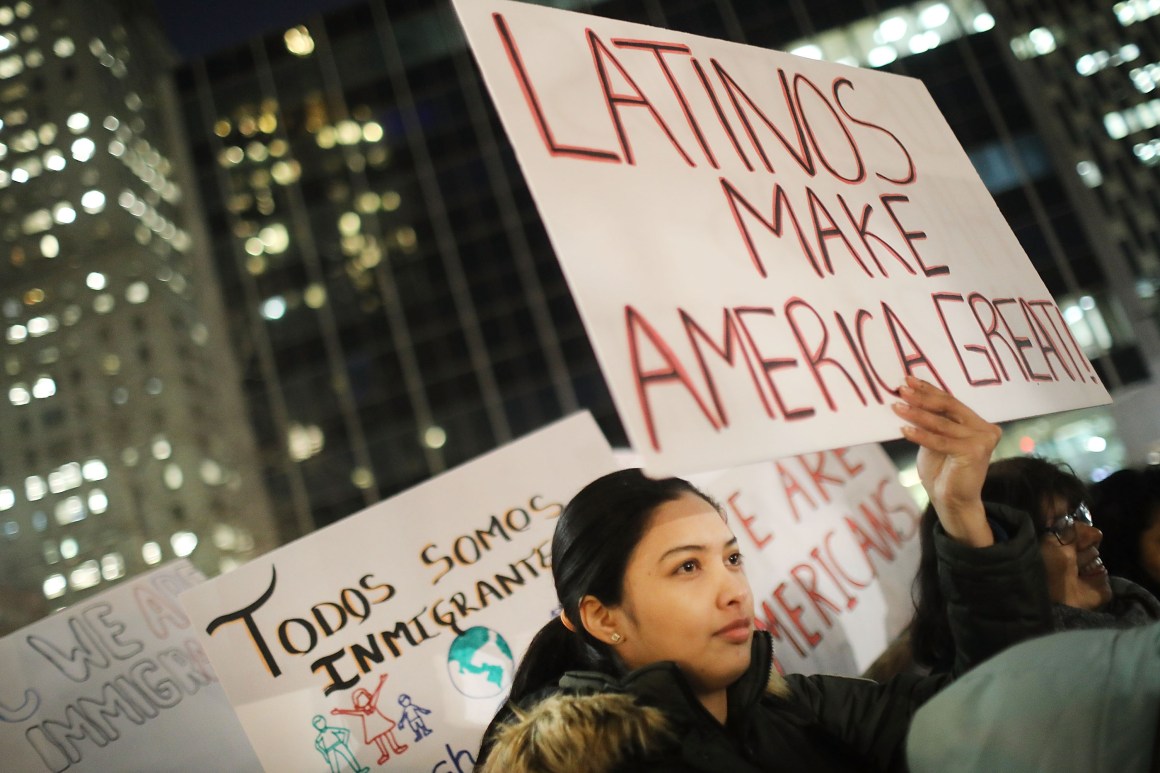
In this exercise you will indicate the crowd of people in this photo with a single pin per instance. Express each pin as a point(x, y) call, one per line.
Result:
point(1035, 630)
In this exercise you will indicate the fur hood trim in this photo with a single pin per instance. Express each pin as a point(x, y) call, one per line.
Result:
point(578, 734)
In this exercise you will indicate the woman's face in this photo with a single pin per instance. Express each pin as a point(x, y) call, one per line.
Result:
point(686, 597)
point(1150, 548)
point(1076, 576)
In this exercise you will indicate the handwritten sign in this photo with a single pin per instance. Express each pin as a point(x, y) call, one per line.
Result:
point(761, 245)
point(831, 547)
point(390, 637)
point(119, 683)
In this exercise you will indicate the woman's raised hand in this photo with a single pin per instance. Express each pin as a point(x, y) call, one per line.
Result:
point(955, 446)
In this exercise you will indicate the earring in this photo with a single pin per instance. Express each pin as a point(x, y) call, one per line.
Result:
point(615, 637)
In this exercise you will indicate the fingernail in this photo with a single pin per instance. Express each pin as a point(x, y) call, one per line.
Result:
point(900, 407)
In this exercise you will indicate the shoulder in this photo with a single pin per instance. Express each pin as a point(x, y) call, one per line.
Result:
point(606, 729)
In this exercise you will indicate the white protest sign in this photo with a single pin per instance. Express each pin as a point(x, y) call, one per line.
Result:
point(118, 683)
point(762, 245)
point(389, 638)
point(831, 548)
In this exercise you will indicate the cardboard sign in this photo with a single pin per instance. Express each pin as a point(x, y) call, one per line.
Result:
point(389, 638)
point(762, 246)
point(831, 548)
point(117, 682)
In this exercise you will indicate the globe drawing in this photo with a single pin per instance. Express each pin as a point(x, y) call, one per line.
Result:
point(480, 663)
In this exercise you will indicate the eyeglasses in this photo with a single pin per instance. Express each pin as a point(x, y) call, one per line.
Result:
point(1064, 528)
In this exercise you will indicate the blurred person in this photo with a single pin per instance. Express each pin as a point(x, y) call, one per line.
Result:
point(654, 663)
point(1126, 505)
point(1035, 707)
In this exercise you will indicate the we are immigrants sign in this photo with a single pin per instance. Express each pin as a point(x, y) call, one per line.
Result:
point(762, 246)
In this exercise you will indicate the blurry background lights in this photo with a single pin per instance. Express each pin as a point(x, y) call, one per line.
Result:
point(298, 41)
point(434, 437)
point(183, 543)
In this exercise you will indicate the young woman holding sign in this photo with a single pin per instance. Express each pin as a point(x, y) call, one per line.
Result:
point(654, 663)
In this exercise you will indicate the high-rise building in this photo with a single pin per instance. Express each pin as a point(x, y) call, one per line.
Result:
point(124, 438)
point(397, 302)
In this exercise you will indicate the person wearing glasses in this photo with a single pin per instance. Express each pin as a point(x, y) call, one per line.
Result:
point(1082, 593)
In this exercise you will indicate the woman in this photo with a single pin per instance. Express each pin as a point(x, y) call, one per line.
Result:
point(1126, 504)
point(654, 663)
point(1081, 592)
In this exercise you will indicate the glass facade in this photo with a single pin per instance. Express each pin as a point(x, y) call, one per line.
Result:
point(396, 303)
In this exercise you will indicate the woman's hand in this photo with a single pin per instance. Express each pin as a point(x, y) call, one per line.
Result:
point(954, 453)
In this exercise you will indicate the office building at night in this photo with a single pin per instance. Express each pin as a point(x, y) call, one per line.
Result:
point(125, 441)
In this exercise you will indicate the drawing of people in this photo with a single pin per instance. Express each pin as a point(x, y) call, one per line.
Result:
point(332, 744)
point(413, 716)
point(376, 725)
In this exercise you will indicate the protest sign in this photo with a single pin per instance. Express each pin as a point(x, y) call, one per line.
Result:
point(117, 682)
point(389, 638)
point(762, 246)
point(831, 548)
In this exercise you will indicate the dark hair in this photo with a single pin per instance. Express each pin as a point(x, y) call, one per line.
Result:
point(594, 538)
point(1124, 505)
point(1026, 483)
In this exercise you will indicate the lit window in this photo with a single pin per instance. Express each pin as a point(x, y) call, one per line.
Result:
point(93, 202)
point(434, 437)
point(94, 469)
point(85, 576)
point(275, 238)
point(54, 160)
point(1116, 126)
point(983, 22)
point(183, 543)
point(98, 501)
point(63, 213)
point(35, 488)
point(39, 520)
point(934, 16)
point(7, 498)
point(138, 292)
point(69, 510)
point(38, 326)
point(112, 566)
point(44, 387)
point(77, 122)
point(1089, 173)
point(11, 529)
point(211, 472)
point(49, 246)
point(18, 394)
point(173, 477)
point(96, 281)
point(55, 586)
point(83, 149)
point(304, 441)
point(103, 303)
point(16, 334)
point(314, 296)
point(161, 448)
point(64, 47)
point(274, 308)
point(880, 56)
point(298, 41)
point(809, 51)
point(65, 477)
point(151, 553)
point(69, 548)
point(891, 30)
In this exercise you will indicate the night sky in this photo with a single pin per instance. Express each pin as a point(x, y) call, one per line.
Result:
point(200, 27)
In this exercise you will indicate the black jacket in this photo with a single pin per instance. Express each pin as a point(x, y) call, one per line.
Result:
point(650, 720)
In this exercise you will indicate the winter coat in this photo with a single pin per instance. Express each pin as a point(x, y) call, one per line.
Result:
point(650, 720)
point(1079, 700)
